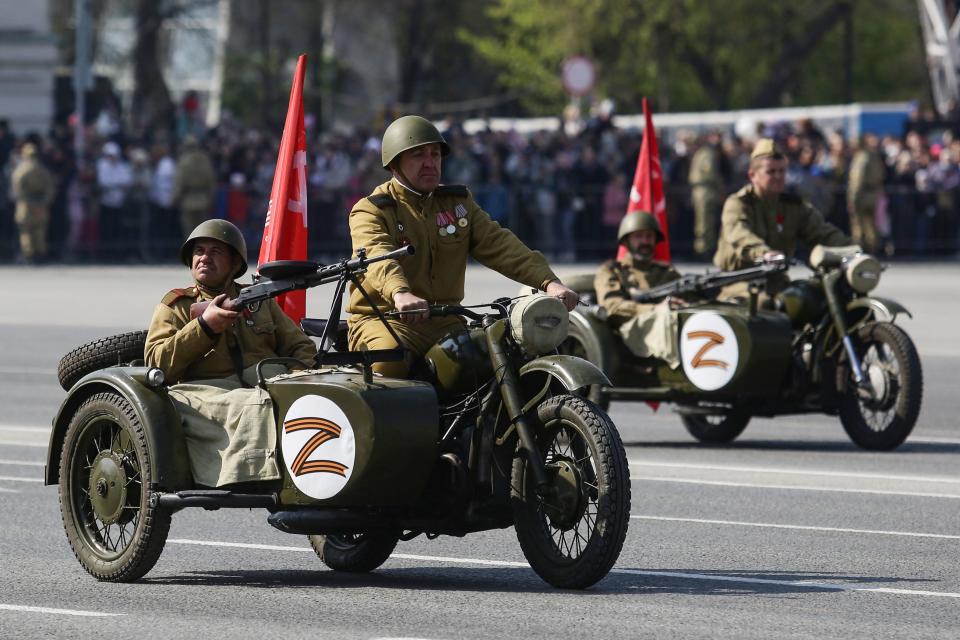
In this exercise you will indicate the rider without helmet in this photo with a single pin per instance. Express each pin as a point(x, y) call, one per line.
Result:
point(222, 230)
point(638, 221)
point(406, 133)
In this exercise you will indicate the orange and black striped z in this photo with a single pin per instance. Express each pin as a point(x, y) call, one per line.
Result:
point(326, 430)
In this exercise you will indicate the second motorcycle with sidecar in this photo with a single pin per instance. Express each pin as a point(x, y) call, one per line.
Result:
point(825, 344)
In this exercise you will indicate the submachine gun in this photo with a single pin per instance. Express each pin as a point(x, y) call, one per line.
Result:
point(708, 284)
point(283, 276)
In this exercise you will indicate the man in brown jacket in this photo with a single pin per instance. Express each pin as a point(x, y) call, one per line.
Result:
point(446, 226)
point(761, 221)
point(33, 190)
point(648, 330)
point(228, 421)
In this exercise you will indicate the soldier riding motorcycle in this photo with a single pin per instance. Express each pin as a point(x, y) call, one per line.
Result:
point(493, 435)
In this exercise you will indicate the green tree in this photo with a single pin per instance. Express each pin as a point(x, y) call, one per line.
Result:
point(693, 55)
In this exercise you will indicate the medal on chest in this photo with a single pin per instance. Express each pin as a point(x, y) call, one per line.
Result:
point(461, 212)
point(446, 224)
point(779, 219)
point(404, 240)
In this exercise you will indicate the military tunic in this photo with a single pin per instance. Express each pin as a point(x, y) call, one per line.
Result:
point(706, 194)
point(648, 330)
point(752, 225)
point(445, 227)
point(229, 426)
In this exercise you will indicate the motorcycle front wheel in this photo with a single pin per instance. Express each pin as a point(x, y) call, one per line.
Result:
point(573, 533)
point(880, 415)
point(116, 531)
point(354, 553)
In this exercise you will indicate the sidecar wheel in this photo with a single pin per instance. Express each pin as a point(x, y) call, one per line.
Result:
point(590, 350)
point(572, 538)
point(883, 417)
point(716, 429)
point(354, 553)
point(100, 354)
point(106, 476)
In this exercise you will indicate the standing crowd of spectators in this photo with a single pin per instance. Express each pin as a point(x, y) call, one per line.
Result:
point(563, 194)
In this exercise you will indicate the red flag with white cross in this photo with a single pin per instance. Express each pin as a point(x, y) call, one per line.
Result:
point(285, 230)
point(646, 194)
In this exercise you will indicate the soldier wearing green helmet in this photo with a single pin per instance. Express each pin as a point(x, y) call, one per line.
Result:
point(210, 358)
point(648, 330)
point(446, 226)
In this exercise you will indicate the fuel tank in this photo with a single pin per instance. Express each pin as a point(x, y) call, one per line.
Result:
point(344, 443)
point(727, 352)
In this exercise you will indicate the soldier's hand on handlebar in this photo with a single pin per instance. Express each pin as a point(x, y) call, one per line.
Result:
point(567, 296)
point(412, 308)
point(216, 317)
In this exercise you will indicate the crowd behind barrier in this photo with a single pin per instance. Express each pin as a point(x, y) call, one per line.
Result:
point(563, 194)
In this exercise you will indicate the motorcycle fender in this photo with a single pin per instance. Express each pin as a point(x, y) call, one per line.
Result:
point(160, 419)
point(570, 371)
point(883, 306)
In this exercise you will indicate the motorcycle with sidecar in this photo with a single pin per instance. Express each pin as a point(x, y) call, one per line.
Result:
point(826, 345)
point(493, 434)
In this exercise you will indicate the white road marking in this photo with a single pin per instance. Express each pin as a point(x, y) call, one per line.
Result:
point(20, 443)
point(800, 527)
point(23, 463)
point(62, 612)
point(18, 427)
point(19, 479)
point(792, 487)
point(934, 440)
point(3, 490)
point(797, 472)
point(637, 572)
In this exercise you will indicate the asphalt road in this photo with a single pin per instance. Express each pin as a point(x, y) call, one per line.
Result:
point(790, 532)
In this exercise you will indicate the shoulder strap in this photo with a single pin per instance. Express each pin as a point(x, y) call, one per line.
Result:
point(175, 294)
point(382, 200)
point(456, 190)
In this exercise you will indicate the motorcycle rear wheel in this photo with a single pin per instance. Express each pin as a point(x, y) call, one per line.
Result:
point(354, 553)
point(882, 419)
point(116, 531)
point(716, 429)
point(573, 541)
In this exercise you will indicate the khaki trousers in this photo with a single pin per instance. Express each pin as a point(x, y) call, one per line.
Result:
point(230, 430)
point(32, 222)
point(653, 334)
point(368, 332)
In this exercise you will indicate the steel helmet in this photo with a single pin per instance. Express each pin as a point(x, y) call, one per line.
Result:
point(221, 230)
point(408, 132)
point(638, 221)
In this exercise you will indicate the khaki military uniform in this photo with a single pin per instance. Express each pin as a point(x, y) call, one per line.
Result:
point(863, 194)
point(648, 330)
point(751, 226)
point(445, 227)
point(33, 189)
point(229, 425)
point(194, 187)
point(706, 194)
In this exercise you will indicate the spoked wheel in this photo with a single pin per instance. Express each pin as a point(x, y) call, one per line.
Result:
point(719, 428)
point(355, 553)
point(573, 533)
point(105, 479)
point(881, 414)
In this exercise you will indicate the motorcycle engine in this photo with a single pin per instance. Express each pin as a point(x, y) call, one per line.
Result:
point(803, 301)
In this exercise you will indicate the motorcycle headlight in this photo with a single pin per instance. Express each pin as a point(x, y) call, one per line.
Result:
point(539, 324)
point(862, 272)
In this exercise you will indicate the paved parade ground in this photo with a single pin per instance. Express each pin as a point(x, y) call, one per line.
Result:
point(790, 532)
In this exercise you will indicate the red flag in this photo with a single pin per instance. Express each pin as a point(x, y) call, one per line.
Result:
point(646, 194)
point(285, 230)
